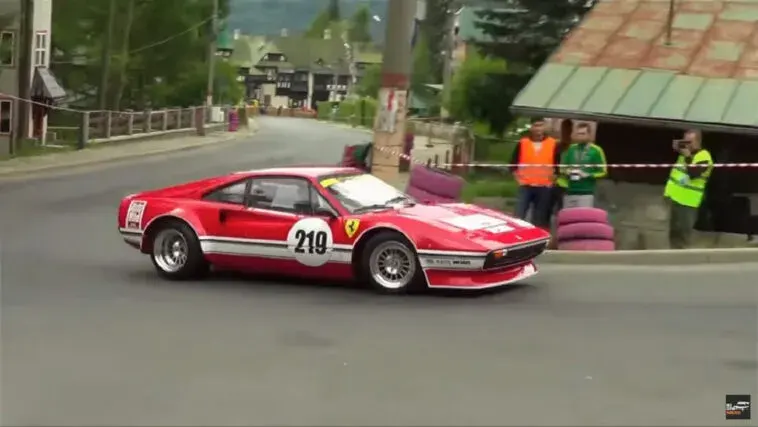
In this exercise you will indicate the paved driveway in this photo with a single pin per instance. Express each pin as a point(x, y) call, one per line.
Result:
point(90, 336)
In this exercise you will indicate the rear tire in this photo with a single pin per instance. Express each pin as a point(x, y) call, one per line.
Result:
point(176, 253)
point(390, 265)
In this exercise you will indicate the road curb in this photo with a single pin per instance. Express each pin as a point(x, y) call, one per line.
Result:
point(14, 174)
point(653, 257)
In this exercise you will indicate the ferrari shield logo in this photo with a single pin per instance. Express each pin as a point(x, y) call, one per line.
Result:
point(351, 227)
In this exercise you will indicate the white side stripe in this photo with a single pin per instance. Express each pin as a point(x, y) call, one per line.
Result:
point(263, 250)
point(278, 249)
point(262, 242)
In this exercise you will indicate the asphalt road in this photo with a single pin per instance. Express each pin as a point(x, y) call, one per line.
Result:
point(90, 336)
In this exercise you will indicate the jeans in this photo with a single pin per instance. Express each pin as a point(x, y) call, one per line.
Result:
point(681, 225)
point(539, 200)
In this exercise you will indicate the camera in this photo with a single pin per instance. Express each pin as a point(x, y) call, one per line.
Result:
point(681, 144)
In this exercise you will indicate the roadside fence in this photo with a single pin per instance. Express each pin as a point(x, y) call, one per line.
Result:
point(70, 126)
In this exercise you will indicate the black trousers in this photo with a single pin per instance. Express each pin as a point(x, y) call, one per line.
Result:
point(556, 199)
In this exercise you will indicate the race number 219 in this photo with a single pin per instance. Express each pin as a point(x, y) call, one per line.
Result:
point(311, 242)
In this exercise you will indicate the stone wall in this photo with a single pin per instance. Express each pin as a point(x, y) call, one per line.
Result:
point(640, 217)
point(638, 212)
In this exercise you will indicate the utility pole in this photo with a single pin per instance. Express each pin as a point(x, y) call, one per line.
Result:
point(23, 106)
point(105, 58)
point(212, 56)
point(389, 129)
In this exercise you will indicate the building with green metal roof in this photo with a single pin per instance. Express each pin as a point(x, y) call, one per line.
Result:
point(643, 74)
point(293, 69)
point(624, 64)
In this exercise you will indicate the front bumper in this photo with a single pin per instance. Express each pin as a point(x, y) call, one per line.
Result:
point(466, 270)
point(132, 238)
point(478, 280)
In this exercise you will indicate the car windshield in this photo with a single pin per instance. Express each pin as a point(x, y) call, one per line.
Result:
point(363, 193)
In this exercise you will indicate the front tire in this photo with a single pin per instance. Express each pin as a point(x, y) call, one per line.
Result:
point(390, 265)
point(176, 253)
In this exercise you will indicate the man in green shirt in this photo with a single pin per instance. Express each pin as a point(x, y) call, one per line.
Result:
point(588, 165)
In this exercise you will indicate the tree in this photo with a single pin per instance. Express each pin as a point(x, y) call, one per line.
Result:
point(477, 92)
point(160, 58)
point(333, 11)
point(421, 73)
point(525, 32)
point(360, 26)
point(320, 24)
point(435, 28)
point(370, 82)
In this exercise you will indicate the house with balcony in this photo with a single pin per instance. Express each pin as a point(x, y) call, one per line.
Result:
point(45, 90)
point(295, 71)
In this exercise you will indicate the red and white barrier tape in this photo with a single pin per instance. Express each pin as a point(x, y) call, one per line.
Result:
point(610, 165)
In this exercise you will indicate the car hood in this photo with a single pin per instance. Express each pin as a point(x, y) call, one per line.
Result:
point(484, 227)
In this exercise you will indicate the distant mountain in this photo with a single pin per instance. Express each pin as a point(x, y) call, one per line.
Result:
point(269, 17)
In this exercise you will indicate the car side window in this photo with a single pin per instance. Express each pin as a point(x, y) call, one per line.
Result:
point(233, 194)
point(319, 202)
point(281, 194)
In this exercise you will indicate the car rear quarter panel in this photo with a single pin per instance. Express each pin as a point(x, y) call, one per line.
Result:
point(189, 211)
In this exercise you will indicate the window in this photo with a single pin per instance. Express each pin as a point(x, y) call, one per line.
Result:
point(233, 194)
point(320, 203)
point(40, 49)
point(6, 117)
point(7, 48)
point(281, 194)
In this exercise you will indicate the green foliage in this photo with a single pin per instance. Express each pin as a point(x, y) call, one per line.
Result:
point(490, 186)
point(333, 10)
point(434, 29)
point(144, 72)
point(319, 25)
point(360, 26)
point(421, 75)
point(356, 112)
point(477, 92)
point(324, 109)
point(422, 72)
point(522, 33)
point(526, 32)
point(370, 82)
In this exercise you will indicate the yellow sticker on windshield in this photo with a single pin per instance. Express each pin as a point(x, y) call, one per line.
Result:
point(329, 181)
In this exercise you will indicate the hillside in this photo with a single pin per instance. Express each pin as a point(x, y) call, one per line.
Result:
point(269, 17)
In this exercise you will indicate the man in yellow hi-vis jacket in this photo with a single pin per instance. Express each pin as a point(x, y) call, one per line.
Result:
point(686, 187)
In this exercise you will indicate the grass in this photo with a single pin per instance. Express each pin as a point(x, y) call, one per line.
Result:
point(29, 149)
point(502, 186)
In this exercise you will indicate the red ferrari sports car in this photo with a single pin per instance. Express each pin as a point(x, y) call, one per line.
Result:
point(327, 222)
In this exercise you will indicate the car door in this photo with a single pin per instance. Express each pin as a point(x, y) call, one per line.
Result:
point(274, 231)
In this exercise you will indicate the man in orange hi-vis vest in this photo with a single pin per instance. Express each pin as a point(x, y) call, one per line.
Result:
point(535, 181)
